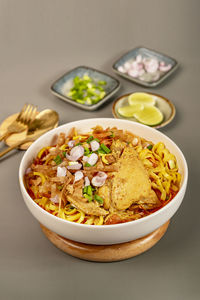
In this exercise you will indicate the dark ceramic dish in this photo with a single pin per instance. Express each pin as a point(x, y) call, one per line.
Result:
point(146, 53)
point(62, 86)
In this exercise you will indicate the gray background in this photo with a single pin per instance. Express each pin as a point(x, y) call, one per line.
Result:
point(40, 40)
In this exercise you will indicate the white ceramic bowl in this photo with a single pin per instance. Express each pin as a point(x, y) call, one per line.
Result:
point(105, 234)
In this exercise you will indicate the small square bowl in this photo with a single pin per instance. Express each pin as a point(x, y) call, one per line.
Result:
point(62, 86)
point(147, 54)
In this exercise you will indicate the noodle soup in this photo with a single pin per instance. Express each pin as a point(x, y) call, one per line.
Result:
point(103, 177)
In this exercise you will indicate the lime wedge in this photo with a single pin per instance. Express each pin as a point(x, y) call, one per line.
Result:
point(150, 115)
point(128, 111)
point(142, 98)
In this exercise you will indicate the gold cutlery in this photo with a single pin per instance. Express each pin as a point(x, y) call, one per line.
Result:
point(24, 118)
point(44, 121)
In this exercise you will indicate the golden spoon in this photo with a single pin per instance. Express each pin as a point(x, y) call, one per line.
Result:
point(44, 121)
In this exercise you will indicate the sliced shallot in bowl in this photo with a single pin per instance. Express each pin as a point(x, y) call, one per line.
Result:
point(165, 68)
point(61, 172)
point(85, 158)
point(151, 65)
point(78, 176)
point(94, 145)
point(55, 199)
point(76, 166)
point(99, 179)
point(75, 153)
point(93, 158)
point(71, 143)
point(87, 181)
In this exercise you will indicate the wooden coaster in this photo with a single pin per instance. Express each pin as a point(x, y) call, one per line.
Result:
point(106, 253)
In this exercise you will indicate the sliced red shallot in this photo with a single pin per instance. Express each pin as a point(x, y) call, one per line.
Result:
point(61, 172)
point(93, 158)
point(85, 158)
point(94, 145)
point(133, 72)
point(165, 68)
point(99, 179)
point(55, 199)
point(151, 65)
point(76, 166)
point(162, 63)
point(121, 69)
point(87, 181)
point(134, 65)
point(71, 143)
point(75, 153)
point(127, 65)
point(135, 141)
point(139, 58)
point(28, 171)
point(102, 175)
point(78, 176)
point(140, 67)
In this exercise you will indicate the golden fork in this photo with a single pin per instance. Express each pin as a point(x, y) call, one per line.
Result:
point(25, 117)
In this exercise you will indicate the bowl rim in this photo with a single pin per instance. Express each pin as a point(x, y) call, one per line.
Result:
point(83, 106)
point(162, 124)
point(102, 227)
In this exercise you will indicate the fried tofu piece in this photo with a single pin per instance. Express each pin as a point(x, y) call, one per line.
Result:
point(90, 208)
point(131, 184)
point(117, 147)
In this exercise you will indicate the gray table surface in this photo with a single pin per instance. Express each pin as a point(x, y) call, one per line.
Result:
point(40, 40)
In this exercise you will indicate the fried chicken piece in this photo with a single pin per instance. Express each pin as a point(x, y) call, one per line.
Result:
point(131, 184)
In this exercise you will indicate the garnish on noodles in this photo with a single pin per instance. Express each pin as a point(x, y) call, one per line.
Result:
point(107, 176)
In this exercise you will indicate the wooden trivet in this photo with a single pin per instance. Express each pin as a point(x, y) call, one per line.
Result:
point(106, 253)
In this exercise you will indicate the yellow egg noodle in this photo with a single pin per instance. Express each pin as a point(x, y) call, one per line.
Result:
point(68, 213)
point(165, 174)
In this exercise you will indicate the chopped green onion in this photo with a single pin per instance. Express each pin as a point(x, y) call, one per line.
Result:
point(89, 190)
point(100, 151)
point(97, 140)
point(86, 151)
point(78, 144)
point(88, 197)
point(87, 164)
point(105, 148)
point(64, 154)
point(87, 90)
point(58, 160)
point(112, 134)
point(98, 199)
point(85, 190)
point(89, 139)
point(150, 147)
point(60, 187)
point(102, 82)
